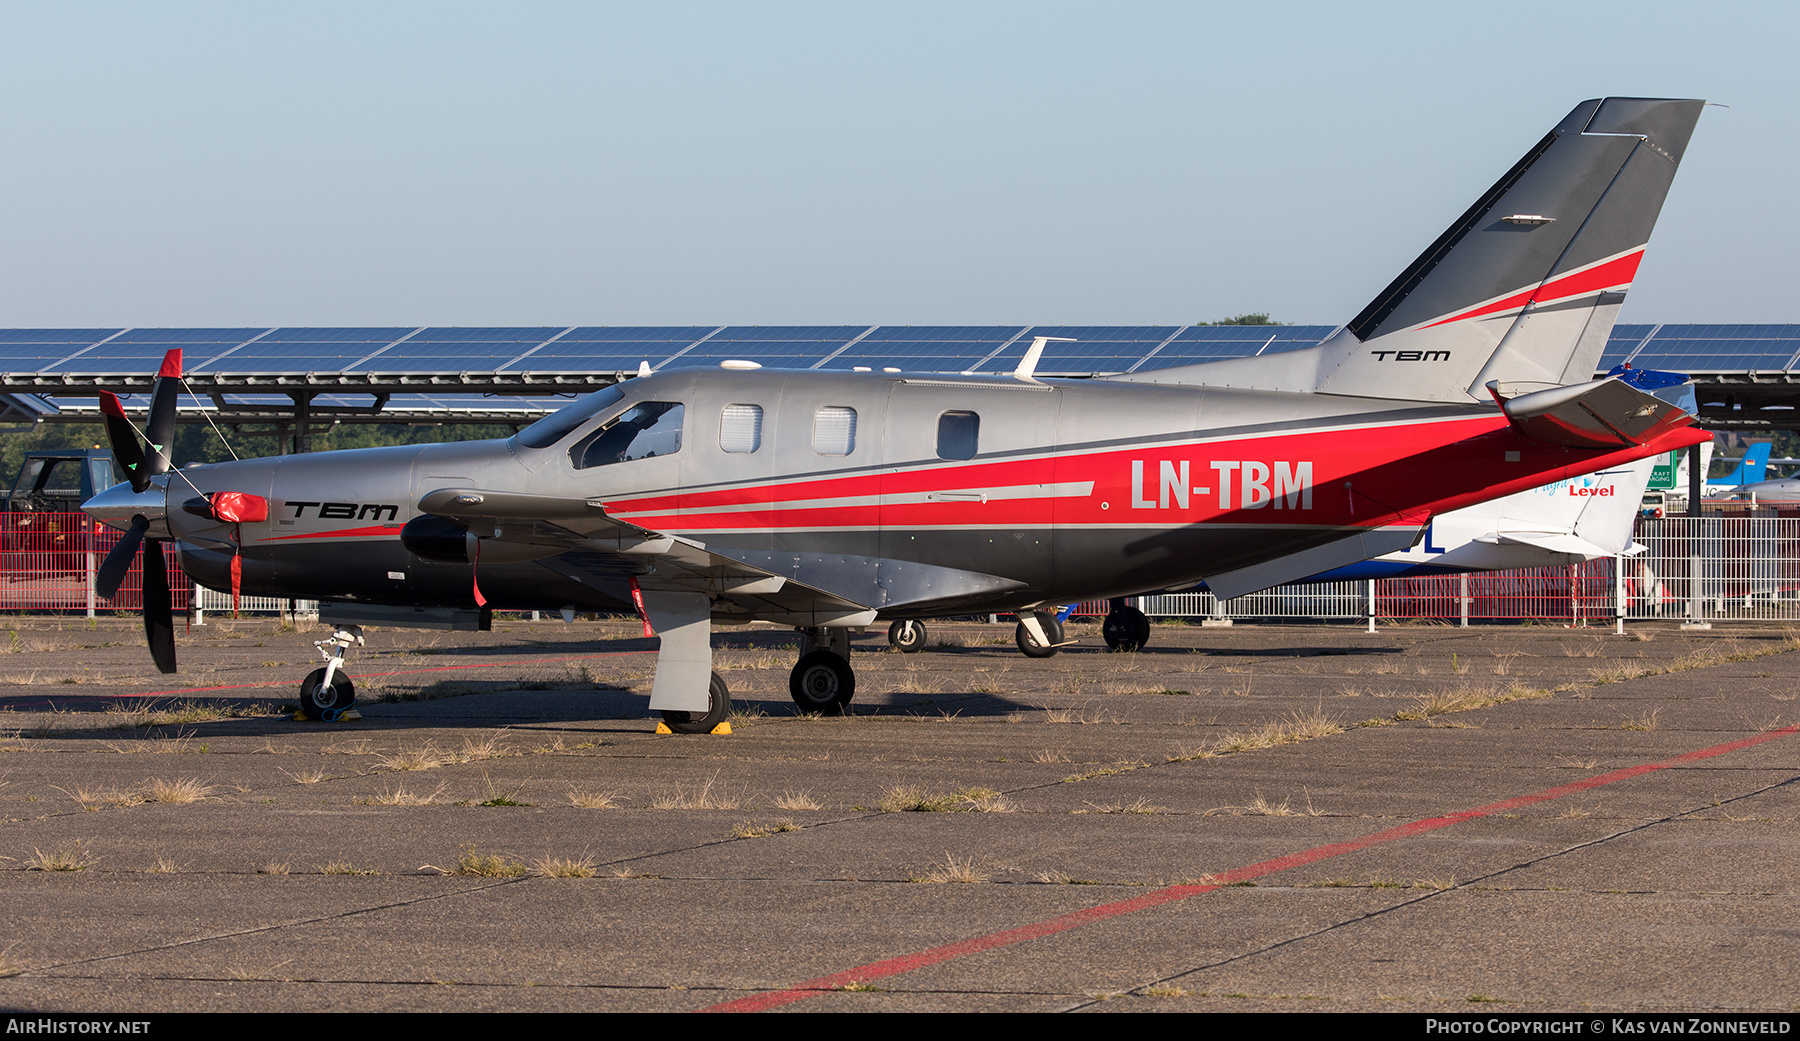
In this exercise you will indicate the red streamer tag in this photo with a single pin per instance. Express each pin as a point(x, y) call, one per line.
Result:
point(637, 600)
point(475, 576)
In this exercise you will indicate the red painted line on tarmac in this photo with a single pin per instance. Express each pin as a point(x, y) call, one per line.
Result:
point(364, 675)
point(1076, 919)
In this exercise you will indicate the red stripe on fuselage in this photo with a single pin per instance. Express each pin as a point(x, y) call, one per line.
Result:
point(1361, 477)
point(340, 533)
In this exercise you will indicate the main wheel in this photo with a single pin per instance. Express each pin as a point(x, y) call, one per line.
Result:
point(1126, 629)
point(717, 708)
point(322, 702)
point(822, 682)
point(1031, 648)
point(907, 637)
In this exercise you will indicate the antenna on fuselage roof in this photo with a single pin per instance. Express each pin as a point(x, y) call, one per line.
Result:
point(644, 367)
point(1029, 363)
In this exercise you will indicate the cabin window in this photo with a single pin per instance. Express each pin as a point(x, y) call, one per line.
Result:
point(740, 428)
point(645, 430)
point(834, 430)
point(958, 435)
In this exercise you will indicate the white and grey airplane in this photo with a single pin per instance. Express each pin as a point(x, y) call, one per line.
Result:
point(835, 500)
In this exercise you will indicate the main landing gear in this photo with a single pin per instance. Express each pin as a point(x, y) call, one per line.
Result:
point(1125, 628)
point(718, 707)
point(1043, 642)
point(822, 680)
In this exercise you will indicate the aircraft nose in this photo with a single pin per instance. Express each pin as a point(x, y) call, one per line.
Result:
point(118, 504)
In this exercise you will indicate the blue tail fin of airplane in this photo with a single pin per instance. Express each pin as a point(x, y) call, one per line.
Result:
point(1751, 469)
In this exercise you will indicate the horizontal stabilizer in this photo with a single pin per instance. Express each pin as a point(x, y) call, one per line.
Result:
point(1607, 413)
point(1364, 545)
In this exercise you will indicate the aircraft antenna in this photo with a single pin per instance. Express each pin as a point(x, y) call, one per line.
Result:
point(209, 420)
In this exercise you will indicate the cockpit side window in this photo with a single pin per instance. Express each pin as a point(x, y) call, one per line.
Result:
point(646, 429)
point(561, 423)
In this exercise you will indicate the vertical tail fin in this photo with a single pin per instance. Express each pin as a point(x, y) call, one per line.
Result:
point(1525, 285)
point(1751, 469)
point(1522, 288)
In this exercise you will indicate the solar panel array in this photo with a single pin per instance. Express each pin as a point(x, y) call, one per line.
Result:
point(589, 349)
point(592, 350)
point(1705, 348)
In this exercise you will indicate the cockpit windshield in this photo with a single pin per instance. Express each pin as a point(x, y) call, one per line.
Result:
point(558, 425)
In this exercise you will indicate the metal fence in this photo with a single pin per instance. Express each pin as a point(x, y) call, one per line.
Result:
point(1742, 566)
point(1747, 563)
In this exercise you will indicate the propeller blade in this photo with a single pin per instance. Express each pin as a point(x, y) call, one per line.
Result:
point(159, 611)
point(118, 559)
point(160, 428)
point(124, 441)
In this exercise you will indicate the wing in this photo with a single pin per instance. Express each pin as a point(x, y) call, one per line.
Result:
point(589, 541)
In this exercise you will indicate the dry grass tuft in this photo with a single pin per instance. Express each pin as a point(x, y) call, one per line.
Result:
point(1278, 732)
point(92, 799)
point(487, 865)
point(753, 830)
point(344, 867)
point(703, 797)
point(907, 798)
point(426, 757)
point(1464, 699)
point(273, 867)
point(796, 801)
point(72, 857)
point(951, 870)
point(307, 776)
point(1081, 716)
point(1647, 721)
point(585, 799)
point(1140, 806)
point(163, 866)
point(473, 750)
point(186, 790)
point(564, 867)
point(400, 796)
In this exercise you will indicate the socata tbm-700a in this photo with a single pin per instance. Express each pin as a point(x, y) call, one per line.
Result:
point(830, 500)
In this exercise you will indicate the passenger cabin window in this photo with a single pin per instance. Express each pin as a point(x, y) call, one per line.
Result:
point(646, 429)
point(740, 428)
point(958, 435)
point(834, 430)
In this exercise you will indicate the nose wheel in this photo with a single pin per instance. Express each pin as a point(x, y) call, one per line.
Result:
point(907, 637)
point(326, 700)
point(327, 693)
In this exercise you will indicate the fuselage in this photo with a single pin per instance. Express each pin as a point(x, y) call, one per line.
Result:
point(908, 494)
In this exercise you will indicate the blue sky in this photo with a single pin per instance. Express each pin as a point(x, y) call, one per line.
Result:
point(547, 164)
